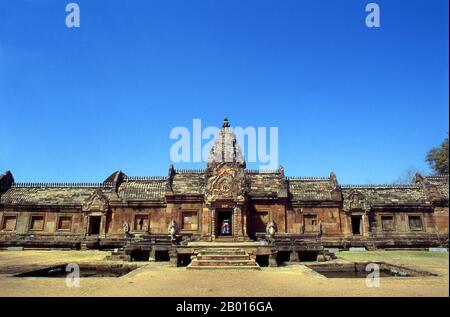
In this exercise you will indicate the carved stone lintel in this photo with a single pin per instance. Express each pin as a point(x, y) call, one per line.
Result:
point(97, 201)
point(355, 200)
point(225, 182)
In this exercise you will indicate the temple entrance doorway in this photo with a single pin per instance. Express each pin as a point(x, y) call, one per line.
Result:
point(94, 225)
point(224, 223)
point(356, 225)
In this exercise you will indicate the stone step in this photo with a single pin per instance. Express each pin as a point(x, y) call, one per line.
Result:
point(196, 262)
point(223, 267)
point(226, 252)
point(222, 257)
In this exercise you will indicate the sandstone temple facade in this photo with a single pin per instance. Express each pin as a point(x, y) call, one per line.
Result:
point(224, 202)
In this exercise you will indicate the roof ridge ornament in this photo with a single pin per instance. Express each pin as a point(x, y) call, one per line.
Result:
point(226, 123)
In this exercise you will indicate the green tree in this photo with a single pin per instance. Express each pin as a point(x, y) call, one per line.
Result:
point(437, 157)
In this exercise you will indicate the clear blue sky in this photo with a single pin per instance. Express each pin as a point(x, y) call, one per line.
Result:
point(78, 104)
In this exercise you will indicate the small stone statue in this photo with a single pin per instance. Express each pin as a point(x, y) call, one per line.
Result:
point(320, 228)
point(126, 227)
point(173, 229)
point(271, 229)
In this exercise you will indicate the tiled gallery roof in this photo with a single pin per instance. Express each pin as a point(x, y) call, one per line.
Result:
point(265, 183)
point(189, 183)
point(142, 188)
point(311, 188)
point(388, 195)
point(50, 194)
point(193, 182)
point(441, 183)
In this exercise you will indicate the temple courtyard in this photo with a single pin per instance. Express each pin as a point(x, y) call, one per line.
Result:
point(161, 279)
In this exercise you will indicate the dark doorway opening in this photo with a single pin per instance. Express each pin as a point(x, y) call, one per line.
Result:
point(308, 256)
point(162, 256)
point(262, 260)
point(94, 225)
point(356, 224)
point(184, 259)
point(224, 223)
point(140, 255)
point(283, 256)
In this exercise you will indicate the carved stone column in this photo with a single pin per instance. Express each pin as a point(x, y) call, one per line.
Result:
point(273, 259)
point(173, 256)
point(152, 256)
point(365, 225)
point(244, 222)
point(236, 221)
point(213, 223)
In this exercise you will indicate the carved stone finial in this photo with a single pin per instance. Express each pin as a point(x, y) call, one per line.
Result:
point(225, 124)
point(418, 179)
point(171, 175)
point(333, 179)
point(281, 171)
point(6, 181)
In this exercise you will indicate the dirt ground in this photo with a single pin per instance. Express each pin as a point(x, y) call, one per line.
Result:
point(159, 279)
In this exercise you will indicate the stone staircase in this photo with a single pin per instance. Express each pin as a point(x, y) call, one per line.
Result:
point(223, 258)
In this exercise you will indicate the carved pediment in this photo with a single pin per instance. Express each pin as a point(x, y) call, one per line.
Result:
point(96, 202)
point(226, 183)
point(356, 200)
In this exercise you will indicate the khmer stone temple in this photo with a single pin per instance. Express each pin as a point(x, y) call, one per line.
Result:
point(273, 217)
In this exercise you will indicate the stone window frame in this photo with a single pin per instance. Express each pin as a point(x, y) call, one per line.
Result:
point(2, 228)
point(71, 222)
point(308, 214)
point(182, 220)
point(264, 209)
point(134, 224)
point(394, 222)
point(361, 214)
point(30, 221)
point(267, 210)
point(421, 221)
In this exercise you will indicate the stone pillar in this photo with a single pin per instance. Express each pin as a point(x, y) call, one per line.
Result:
point(365, 225)
point(273, 259)
point(213, 223)
point(173, 257)
point(103, 225)
point(152, 254)
point(244, 222)
point(88, 223)
point(293, 256)
point(237, 219)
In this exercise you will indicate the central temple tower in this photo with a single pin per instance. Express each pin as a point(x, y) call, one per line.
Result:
point(225, 190)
